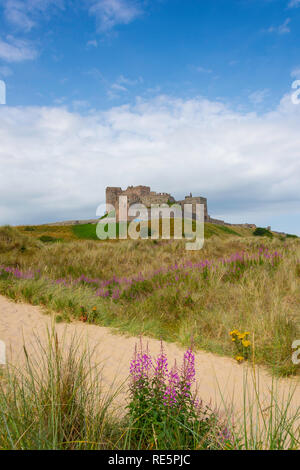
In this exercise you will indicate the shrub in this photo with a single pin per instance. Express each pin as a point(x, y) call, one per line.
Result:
point(48, 239)
point(262, 232)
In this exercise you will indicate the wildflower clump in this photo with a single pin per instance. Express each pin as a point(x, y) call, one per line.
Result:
point(164, 412)
point(86, 315)
point(242, 344)
point(83, 317)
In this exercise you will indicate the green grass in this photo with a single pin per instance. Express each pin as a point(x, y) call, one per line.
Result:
point(228, 230)
point(85, 231)
point(49, 239)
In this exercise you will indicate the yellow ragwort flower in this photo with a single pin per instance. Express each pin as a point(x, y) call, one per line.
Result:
point(246, 343)
point(234, 332)
point(239, 358)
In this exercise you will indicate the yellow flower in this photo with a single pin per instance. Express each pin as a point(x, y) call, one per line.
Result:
point(246, 343)
point(94, 309)
point(234, 332)
point(239, 358)
point(232, 339)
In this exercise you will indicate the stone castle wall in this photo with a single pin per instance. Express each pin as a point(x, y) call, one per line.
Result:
point(144, 195)
point(136, 195)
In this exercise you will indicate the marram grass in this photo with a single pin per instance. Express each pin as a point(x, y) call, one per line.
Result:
point(56, 401)
point(159, 289)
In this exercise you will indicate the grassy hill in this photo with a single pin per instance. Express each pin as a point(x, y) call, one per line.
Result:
point(88, 232)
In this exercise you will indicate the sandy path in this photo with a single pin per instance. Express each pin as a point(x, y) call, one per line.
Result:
point(20, 322)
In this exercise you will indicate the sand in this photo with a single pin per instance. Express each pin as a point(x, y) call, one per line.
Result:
point(218, 378)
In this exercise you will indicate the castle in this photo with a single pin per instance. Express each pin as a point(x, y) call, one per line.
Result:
point(144, 195)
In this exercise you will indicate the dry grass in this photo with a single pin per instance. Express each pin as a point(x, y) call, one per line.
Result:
point(56, 231)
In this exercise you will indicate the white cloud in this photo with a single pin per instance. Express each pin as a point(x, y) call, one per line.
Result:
point(281, 29)
point(92, 43)
point(129, 81)
point(119, 85)
point(203, 70)
point(258, 96)
point(294, 4)
point(55, 164)
point(16, 50)
point(295, 73)
point(110, 13)
point(24, 14)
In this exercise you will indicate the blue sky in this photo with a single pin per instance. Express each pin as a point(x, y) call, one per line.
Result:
point(178, 94)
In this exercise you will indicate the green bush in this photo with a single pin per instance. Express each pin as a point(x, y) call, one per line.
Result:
point(262, 232)
point(48, 239)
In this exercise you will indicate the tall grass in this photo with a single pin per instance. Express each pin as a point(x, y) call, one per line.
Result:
point(269, 422)
point(56, 401)
point(260, 297)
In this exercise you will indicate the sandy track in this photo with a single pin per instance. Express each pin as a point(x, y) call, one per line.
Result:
point(21, 322)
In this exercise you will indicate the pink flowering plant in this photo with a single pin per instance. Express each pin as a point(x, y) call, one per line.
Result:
point(163, 410)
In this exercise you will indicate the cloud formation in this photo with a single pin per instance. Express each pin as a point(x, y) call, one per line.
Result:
point(24, 14)
point(121, 85)
point(55, 164)
point(16, 50)
point(281, 29)
point(258, 96)
point(110, 13)
point(294, 4)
